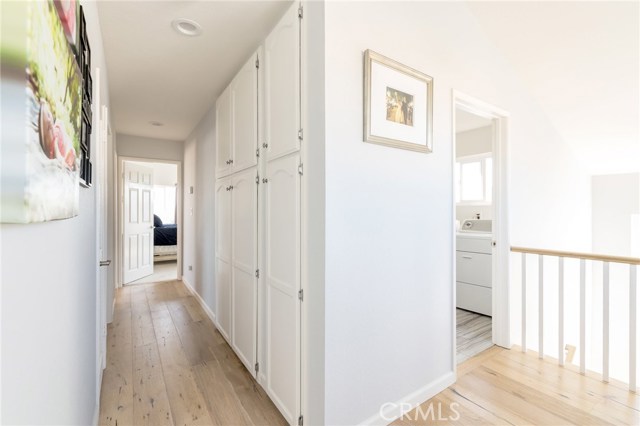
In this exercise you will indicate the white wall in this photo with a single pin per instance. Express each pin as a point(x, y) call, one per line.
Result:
point(474, 142)
point(615, 201)
point(469, 212)
point(48, 276)
point(389, 284)
point(313, 221)
point(199, 211)
point(163, 173)
point(155, 149)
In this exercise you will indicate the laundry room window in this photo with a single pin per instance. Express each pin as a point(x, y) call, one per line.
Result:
point(474, 179)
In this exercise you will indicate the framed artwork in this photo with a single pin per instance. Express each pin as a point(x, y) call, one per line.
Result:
point(42, 144)
point(68, 11)
point(398, 104)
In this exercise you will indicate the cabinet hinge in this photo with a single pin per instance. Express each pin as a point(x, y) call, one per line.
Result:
point(300, 169)
point(300, 134)
point(300, 12)
point(257, 273)
point(257, 62)
point(300, 420)
point(301, 295)
point(257, 152)
point(257, 367)
point(258, 180)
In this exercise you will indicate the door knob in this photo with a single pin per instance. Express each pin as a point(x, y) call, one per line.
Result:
point(105, 262)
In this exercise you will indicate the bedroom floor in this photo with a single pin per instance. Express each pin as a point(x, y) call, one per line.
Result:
point(162, 271)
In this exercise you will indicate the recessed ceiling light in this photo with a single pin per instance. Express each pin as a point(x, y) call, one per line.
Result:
point(187, 27)
point(156, 123)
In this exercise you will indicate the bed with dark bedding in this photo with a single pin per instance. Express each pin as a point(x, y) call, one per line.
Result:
point(165, 240)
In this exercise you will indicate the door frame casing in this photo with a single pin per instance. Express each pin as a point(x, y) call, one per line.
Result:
point(500, 297)
point(120, 208)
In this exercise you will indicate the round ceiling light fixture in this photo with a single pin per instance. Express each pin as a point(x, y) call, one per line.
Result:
point(187, 27)
point(156, 123)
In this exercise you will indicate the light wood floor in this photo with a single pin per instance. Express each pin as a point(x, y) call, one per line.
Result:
point(162, 271)
point(168, 365)
point(473, 334)
point(507, 387)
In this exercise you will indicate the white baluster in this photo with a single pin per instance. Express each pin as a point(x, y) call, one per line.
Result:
point(561, 310)
point(605, 322)
point(633, 282)
point(524, 302)
point(583, 317)
point(540, 307)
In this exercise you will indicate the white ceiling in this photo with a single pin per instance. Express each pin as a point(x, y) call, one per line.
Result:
point(156, 74)
point(467, 121)
point(581, 62)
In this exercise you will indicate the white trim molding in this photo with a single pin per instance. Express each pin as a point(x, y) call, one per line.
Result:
point(501, 302)
point(392, 410)
point(201, 301)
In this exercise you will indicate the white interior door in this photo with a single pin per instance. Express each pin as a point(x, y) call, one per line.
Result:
point(244, 94)
point(101, 211)
point(100, 161)
point(283, 284)
point(282, 86)
point(223, 256)
point(244, 201)
point(138, 222)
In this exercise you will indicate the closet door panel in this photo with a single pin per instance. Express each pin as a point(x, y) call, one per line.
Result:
point(282, 86)
point(223, 286)
point(223, 133)
point(244, 264)
point(244, 92)
point(282, 284)
point(223, 256)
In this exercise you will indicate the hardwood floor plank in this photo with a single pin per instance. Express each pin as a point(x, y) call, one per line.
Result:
point(150, 399)
point(186, 401)
point(591, 384)
point(222, 402)
point(167, 364)
point(540, 401)
point(116, 397)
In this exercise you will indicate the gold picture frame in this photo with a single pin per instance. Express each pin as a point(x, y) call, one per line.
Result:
point(398, 104)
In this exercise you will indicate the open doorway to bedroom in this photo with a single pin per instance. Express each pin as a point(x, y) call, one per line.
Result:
point(149, 221)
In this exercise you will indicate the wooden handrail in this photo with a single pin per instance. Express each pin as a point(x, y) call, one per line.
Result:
point(576, 255)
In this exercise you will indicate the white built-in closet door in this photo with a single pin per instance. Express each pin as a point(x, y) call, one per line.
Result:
point(283, 284)
point(244, 107)
point(244, 198)
point(282, 86)
point(223, 133)
point(223, 256)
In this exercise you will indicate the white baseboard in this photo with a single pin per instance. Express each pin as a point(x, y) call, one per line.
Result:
point(113, 306)
point(396, 409)
point(201, 301)
point(96, 413)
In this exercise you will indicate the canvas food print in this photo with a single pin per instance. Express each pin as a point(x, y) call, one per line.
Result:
point(42, 182)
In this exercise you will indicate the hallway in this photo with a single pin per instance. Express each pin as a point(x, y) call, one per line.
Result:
point(167, 364)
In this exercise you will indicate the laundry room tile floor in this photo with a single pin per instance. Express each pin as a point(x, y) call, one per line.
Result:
point(473, 334)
